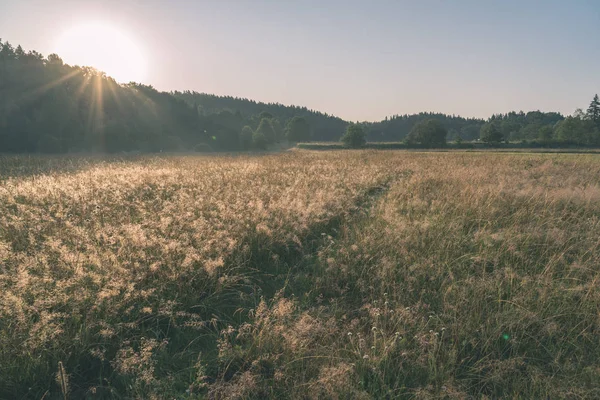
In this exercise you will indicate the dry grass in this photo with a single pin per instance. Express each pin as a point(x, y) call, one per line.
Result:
point(471, 275)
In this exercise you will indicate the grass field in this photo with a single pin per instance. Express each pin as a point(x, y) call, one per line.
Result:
point(342, 275)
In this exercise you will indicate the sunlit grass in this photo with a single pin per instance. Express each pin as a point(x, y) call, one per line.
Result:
point(306, 275)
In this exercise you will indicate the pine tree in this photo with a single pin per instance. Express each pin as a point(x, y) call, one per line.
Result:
point(593, 112)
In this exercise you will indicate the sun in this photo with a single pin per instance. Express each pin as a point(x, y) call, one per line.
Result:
point(104, 47)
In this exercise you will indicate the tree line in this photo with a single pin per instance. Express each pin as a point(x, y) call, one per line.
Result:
point(534, 128)
point(47, 106)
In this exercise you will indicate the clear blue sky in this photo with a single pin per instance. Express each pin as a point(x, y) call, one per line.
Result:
point(360, 60)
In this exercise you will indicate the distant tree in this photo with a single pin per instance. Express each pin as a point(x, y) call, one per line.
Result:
point(510, 128)
point(279, 134)
point(265, 115)
point(54, 59)
point(593, 112)
point(298, 130)
point(430, 133)
point(491, 134)
point(529, 131)
point(354, 137)
point(578, 129)
point(471, 131)
point(20, 53)
point(266, 129)
point(545, 133)
point(246, 137)
point(7, 52)
point(259, 140)
point(572, 130)
point(452, 134)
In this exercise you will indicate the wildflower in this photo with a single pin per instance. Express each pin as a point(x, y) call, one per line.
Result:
point(365, 357)
point(349, 333)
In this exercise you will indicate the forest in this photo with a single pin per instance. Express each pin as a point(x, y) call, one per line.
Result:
point(47, 106)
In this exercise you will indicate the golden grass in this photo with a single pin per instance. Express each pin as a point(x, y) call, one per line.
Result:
point(297, 275)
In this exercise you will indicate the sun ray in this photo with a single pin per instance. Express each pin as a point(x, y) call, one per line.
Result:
point(95, 121)
point(34, 93)
point(114, 94)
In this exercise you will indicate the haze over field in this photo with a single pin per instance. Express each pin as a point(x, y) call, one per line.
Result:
point(354, 59)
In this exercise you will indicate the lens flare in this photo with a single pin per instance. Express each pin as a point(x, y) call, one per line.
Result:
point(105, 48)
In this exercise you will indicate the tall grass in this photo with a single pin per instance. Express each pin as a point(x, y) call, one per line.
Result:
point(302, 275)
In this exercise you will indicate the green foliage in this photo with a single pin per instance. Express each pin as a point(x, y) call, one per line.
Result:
point(545, 134)
point(593, 112)
point(246, 137)
point(398, 127)
point(266, 129)
point(260, 140)
point(428, 133)
point(324, 126)
point(279, 134)
point(520, 126)
point(354, 137)
point(577, 130)
point(491, 134)
point(298, 130)
point(265, 115)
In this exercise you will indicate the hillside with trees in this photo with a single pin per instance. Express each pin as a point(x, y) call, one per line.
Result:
point(47, 106)
point(324, 127)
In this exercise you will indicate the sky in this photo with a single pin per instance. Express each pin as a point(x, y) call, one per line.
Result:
point(359, 60)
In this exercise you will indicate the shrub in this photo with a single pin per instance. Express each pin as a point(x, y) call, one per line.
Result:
point(354, 137)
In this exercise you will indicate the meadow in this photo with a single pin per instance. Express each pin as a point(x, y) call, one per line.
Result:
point(305, 275)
